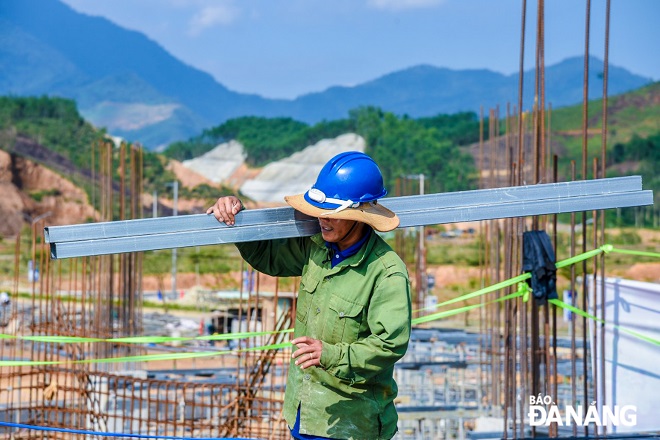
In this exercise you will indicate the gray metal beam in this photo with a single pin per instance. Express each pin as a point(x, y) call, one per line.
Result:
point(160, 225)
point(488, 211)
point(516, 193)
point(264, 224)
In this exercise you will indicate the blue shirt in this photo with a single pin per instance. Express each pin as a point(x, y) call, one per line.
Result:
point(338, 255)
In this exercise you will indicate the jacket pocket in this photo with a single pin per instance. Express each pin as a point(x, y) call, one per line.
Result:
point(344, 320)
point(308, 286)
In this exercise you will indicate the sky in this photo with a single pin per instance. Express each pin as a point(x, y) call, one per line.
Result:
point(287, 48)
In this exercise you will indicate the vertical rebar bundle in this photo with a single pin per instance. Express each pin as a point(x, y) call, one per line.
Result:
point(519, 342)
point(101, 297)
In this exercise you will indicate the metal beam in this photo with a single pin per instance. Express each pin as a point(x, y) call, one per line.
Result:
point(160, 225)
point(266, 224)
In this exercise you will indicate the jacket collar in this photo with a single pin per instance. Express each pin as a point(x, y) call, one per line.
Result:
point(353, 260)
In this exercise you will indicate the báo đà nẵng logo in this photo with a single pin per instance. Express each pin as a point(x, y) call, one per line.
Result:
point(543, 411)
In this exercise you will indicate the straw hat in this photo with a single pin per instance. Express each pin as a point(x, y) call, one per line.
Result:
point(372, 213)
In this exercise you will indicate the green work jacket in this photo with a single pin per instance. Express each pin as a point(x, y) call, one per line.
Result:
point(361, 311)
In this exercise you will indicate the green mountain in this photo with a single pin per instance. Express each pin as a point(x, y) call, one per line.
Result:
point(127, 83)
point(436, 146)
point(633, 141)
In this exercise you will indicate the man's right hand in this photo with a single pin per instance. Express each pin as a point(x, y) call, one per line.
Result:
point(225, 209)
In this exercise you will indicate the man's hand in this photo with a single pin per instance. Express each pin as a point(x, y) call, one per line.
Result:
point(225, 209)
point(308, 353)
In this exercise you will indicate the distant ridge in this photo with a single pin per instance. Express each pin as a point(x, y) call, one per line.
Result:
point(129, 84)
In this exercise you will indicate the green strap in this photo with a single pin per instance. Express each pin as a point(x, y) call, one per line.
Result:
point(485, 290)
point(579, 258)
point(140, 339)
point(607, 248)
point(523, 290)
point(640, 253)
point(144, 358)
point(584, 314)
point(456, 311)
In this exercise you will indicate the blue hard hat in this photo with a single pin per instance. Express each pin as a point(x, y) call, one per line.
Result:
point(347, 180)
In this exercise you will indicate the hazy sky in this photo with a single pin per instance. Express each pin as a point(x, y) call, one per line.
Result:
point(285, 48)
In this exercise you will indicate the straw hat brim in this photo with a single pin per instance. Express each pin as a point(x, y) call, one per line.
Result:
point(379, 217)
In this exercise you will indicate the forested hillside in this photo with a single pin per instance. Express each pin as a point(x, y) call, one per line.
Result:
point(53, 122)
point(400, 145)
point(435, 146)
point(56, 124)
point(633, 142)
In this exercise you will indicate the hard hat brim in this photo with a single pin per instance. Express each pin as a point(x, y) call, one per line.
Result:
point(374, 214)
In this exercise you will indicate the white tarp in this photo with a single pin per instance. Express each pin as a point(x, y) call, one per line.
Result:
point(632, 365)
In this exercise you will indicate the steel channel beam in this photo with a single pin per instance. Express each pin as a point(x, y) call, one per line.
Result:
point(171, 240)
point(161, 225)
point(308, 226)
point(515, 193)
point(525, 208)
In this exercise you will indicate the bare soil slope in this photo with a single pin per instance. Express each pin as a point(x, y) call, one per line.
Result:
point(30, 190)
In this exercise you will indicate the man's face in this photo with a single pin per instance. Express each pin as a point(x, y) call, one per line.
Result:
point(337, 231)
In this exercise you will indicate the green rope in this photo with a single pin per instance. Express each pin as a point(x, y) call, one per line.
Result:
point(145, 358)
point(640, 253)
point(584, 314)
point(523, 291)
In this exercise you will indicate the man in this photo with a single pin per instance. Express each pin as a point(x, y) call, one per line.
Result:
point(353, 313)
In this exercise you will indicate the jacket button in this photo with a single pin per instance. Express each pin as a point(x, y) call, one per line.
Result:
point(318, 310)
point(341, 314)
point(306, 376)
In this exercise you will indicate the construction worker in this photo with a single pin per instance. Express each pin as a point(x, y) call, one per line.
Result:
point(353, 313)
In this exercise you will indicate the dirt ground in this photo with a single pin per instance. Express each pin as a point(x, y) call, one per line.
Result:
point(649, 272)
point(185, 281)
point(445, 275)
